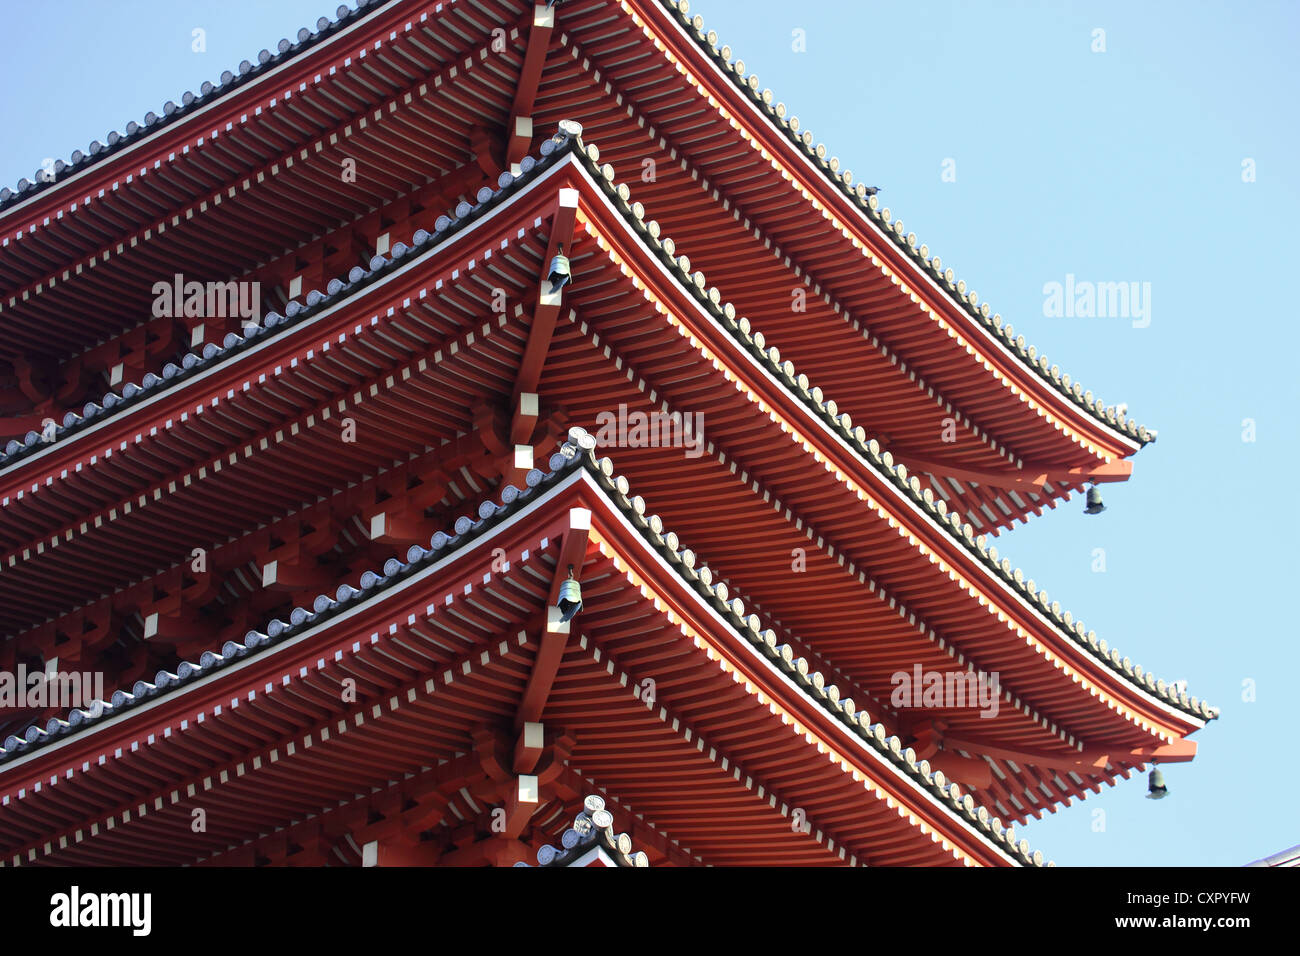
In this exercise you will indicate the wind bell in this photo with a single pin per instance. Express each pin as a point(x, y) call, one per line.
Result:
point(1156, 789)
point(560, 274)
point(570, 602)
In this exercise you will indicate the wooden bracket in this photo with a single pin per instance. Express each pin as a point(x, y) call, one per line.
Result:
point(555, 637)
point(547, 309)
point(519, 128)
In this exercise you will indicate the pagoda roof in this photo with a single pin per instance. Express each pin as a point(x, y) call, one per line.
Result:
point(831, 433)
point(994, 483)
point(883, 222)
point(869, 211)
point(236, 186)
point(1088, 711)
point(752, 212)
point(1071, 712)
point(296, 313)
point(425, 347)
point(907, 490)
point(573, 469)
point(190, 103)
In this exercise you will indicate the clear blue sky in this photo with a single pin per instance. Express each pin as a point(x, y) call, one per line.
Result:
point(1123, 165)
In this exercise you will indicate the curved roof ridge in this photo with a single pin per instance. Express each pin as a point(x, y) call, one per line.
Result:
point(190, 103)
point(932, 266)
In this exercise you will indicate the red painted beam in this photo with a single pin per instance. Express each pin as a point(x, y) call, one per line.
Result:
point(547, 309)
point(973, 773)
point(1091, 760)
point(398, 851)
point(1029, 477)
point(522, 800)
point(545, 666)
point(1120, 470)
point(528, 748)
point(556, 636)
point(524, 418)
point(520, 126)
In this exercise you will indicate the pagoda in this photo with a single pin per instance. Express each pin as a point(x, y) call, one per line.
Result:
point(486, 433)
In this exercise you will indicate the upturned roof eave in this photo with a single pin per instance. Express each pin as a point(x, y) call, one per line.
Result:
point(1090, 416)
point(904, 495)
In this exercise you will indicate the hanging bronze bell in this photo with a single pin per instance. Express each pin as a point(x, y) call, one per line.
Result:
point(570, 602)
point(1156, 789)
point(560, 274)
